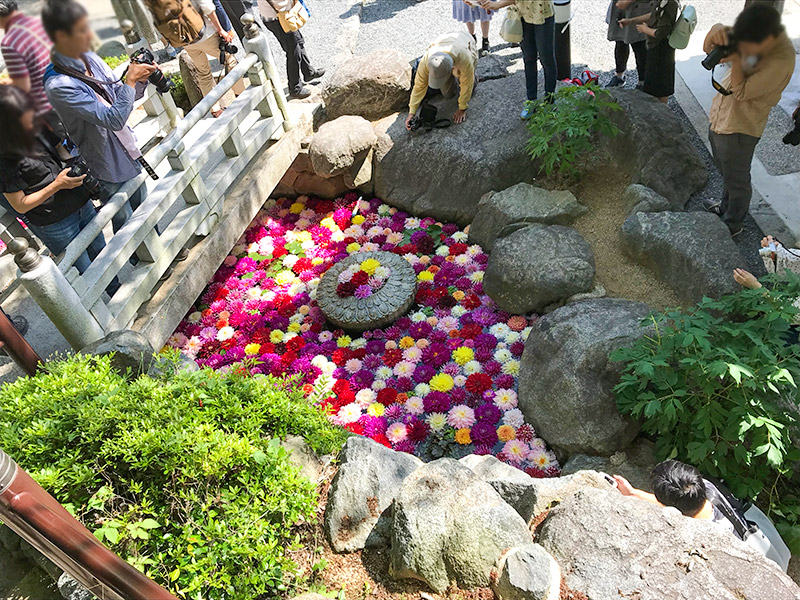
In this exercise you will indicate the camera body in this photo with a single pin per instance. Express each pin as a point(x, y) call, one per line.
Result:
point(143, 56)
point(78, 167)
point(426, 119)
point(793, 137)
point(226, 48)
point(713, 58)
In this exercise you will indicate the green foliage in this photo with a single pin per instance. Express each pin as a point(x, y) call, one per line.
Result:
point(184, 477)
point(179, 94)
point(561, 133)
point(114, 61)
point(715, 386)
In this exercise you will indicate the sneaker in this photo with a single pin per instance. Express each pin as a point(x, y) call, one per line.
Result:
point(527, 111)
point(182, 255)
point(616, 81)
point(713, 206)
point(301, 92)
point(315, 74)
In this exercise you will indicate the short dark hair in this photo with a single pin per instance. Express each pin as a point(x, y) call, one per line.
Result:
point(61, 15)
point(756, 23)
point(679, 485)
point(16, 141)
point(7, 7)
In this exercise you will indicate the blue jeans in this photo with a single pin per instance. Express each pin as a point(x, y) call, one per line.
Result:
point(119, 219)
point(57, 237)
point(538, 44)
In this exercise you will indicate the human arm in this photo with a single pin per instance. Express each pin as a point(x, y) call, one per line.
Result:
point(716, 36)
point(466, 81)
point(626, 489)
point(22, 203)
point(624, 4)
point(665, 24)
point(218, 26)
point(634, 20)
point(17, 69)
point(69, 97)
point(768, 78)
point(420, 86)
point(496, 4)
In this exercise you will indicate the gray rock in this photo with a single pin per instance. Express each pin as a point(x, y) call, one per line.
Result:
point(521, 203)
point(535, 266)
point(72, 590)
point(491, 66)
point(161, 367)
point(655, 147)
point(527, 573)
point(634, 463)
point(340, 145)
point(613, 547)
point(190, 79)
point(9, 540)
point(301, 455)
point(357, 514)
point(527, 495)
point(450, 527)
point(444, 173)
point(640, 198)
point(692, 252)
point(132, 352)
point(112, 49)
point(372, 86)
point(566, 378)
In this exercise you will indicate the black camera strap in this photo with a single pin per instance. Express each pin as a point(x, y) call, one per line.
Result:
point(718, 86)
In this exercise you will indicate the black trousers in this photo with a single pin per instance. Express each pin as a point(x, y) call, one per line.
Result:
point(294, 46)
point(622, 52)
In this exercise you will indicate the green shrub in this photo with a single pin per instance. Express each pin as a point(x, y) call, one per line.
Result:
point(715, 387)
point(561, 133)
point(114, 61)
point(179, 94)
point(182, 477)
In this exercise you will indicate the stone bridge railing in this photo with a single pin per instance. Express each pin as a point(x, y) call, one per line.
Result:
point(196, 163)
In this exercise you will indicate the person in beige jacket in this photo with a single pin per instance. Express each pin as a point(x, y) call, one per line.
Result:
point(447, 65)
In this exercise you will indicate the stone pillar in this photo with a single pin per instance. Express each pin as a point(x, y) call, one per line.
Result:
point(136, 12)
point(55, 296)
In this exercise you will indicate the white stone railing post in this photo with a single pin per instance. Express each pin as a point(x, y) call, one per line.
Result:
point(54, 295)
point(255, 41)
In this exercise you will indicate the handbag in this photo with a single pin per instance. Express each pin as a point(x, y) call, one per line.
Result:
point(511, 30)
point(294, 18)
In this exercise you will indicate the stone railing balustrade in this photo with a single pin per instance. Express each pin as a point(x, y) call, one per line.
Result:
point(196, 163)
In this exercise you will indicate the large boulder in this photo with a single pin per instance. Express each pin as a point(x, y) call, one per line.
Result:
point(131, 352)
point(521, 203)
point(692, 252)
point(566, 377)
point(527, 573)
point(372, 86)
point(444, 173)
point(358, 512)
point(654, 146)
point(640, 198)
point(535, 266)
point(340, 145)
point(450, 527)
point(612, 547)
point(634, 464)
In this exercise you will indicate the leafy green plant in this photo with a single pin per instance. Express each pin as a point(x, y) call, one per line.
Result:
point(561, 132)
point(114, 61)
point(715, 386)
point(179, 94)
point(183, 476)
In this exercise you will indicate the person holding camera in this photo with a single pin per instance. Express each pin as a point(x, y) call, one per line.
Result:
point(447, 66)
point(36, 181)
point(627, 38)
point(761, 58)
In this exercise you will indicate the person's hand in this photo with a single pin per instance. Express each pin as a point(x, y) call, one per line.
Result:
point(623, 485)
point(645, 29)
point(65, 182)
point(488, 5)
point(409, 118)
point(225, 35)
point(717, 36)
point(459, 116)
point(765, 242)
point(623, 23)
point(138, 72)
point(746, 279)
point(623, 4)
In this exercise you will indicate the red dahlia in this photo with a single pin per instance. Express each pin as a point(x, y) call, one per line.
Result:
point(392, 357)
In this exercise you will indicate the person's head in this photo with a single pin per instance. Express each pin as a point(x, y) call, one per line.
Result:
point(7, 9)
point(756, 29)
point(679, 485)
point(67, 24)
point(440, 69)
point(16, 115)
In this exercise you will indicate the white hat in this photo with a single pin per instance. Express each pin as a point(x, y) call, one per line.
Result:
point(440, 68)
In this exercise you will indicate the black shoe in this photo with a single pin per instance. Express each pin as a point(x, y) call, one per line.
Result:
point(20, 323)
point(616, 81)
point(182, 255)
point(735, 230)
point(485, 47)
point(301, 92)
point(315, 74)
point(713, 206)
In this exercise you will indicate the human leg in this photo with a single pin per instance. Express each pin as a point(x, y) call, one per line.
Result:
point(198, 52)
point(739, 158)
point(640, 53)
point(306, 69)
point(57, 236)
point(471, 28)
point(530, 59)
point(622, 52)
point(546, 47)
point(293, 56)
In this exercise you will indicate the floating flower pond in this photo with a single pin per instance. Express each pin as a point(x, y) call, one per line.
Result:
point(440, 381)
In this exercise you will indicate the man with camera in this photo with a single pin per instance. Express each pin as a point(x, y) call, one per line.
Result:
point(761, 58)
point(194, 26)
point(92, 103)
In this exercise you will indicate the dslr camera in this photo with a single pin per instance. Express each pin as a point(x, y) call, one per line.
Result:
point(226, 48)
point(78, 167)
point(143, 56)
point(717, 54)
point(426, 119)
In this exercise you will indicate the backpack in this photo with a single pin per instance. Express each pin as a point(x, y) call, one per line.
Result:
point(684, 27)
point(177, 20)
point(750, 524)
